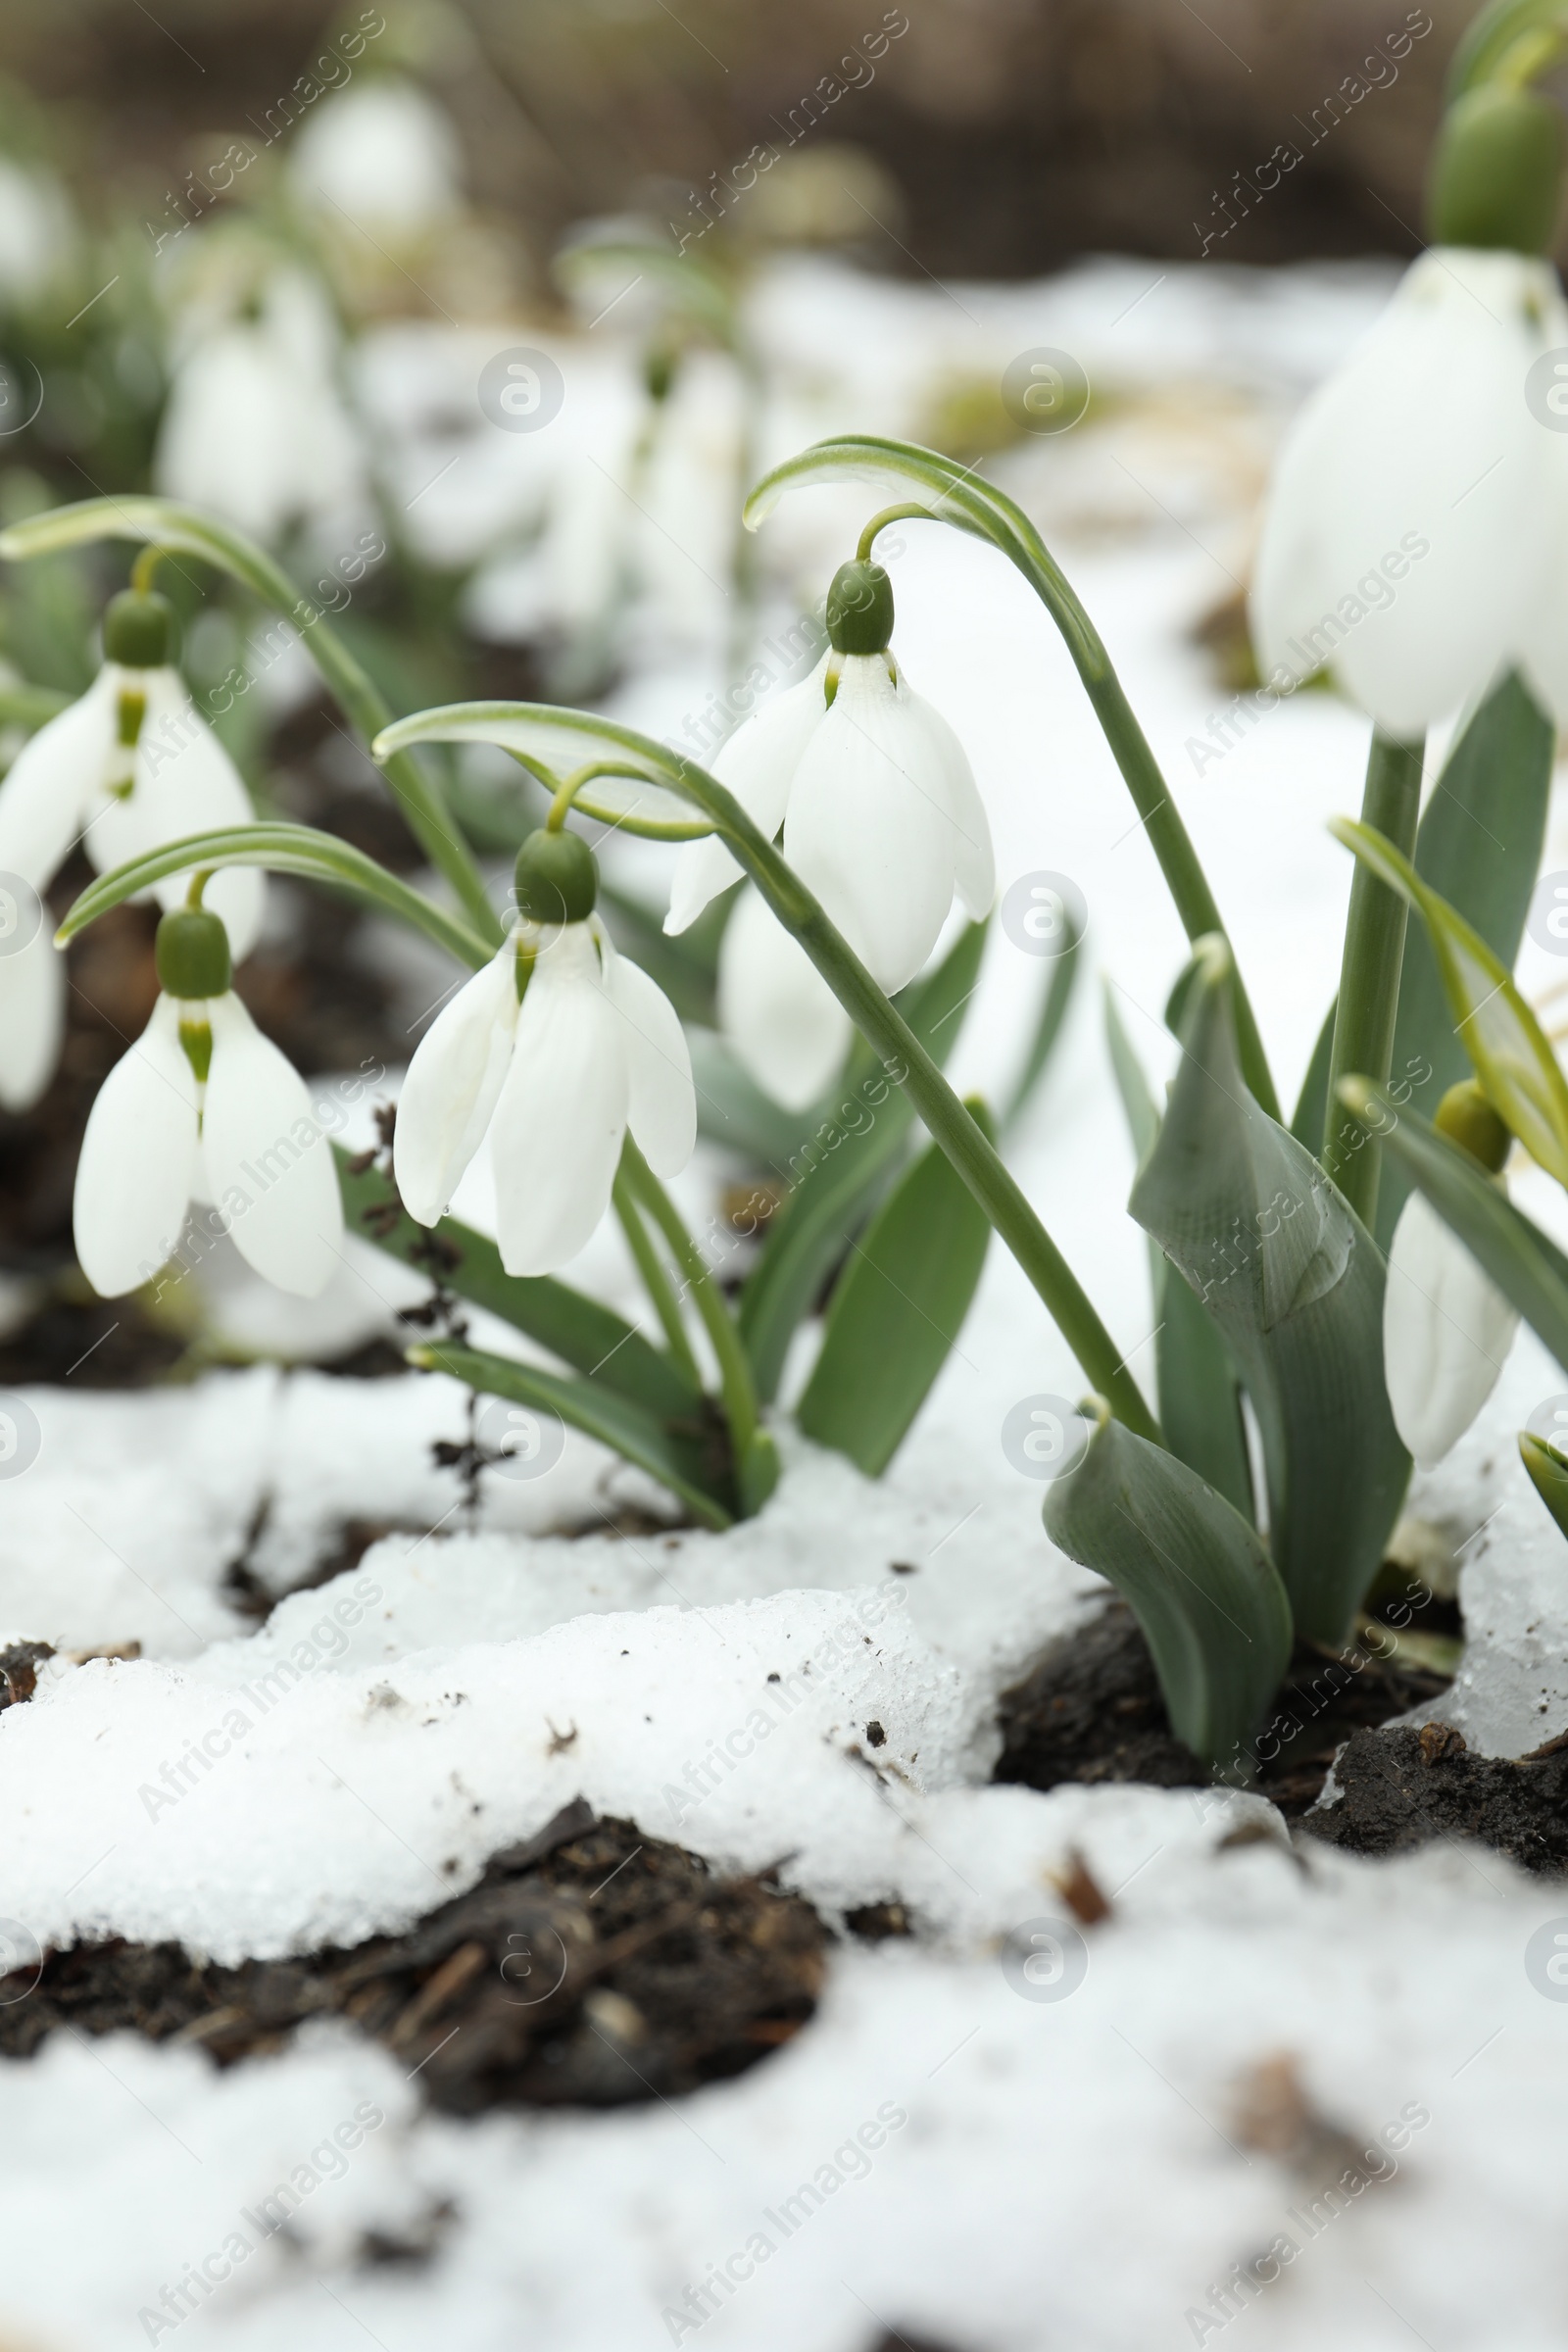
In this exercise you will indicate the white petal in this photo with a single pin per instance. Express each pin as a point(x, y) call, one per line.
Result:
point(32, 1017)
point(266, 1161)
point(871, 828)
point(786, 1027)
point(756, 764)
point(453, 1085)
point(1447, 1333)
point(186, 782)
point(555, 1137)
point(974, 859)
point(662, 1100)
point(1410, 524)
point(138, 1156)
point(55, 778)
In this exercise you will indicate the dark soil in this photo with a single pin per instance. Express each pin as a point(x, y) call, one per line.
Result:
point(1402, 1788)
point(591, 1967)
point(1091, 1711)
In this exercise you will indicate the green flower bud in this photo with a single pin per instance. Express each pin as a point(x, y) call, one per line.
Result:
point(139, 631)
point(1497, 172)
point(859, 608)
point(1467, 1118)
point(192, 955)
point(558, 878)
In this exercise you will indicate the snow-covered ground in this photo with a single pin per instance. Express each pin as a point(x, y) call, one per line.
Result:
point(988, 2170)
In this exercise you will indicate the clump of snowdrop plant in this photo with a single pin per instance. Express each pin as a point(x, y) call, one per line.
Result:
point(848, 811)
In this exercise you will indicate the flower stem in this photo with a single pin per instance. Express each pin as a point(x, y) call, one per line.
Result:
point(755, 1463)
point(656, 1281)
point(949, 1123)
point(1369, 974)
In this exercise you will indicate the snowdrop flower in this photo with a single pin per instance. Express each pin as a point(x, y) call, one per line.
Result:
point(1446, 1330)
point(382, 152)
point(256, 428)
point(556, 1049)
point(204, 1108)
point(882, 821)
point(1418, 504)
point(123, 769)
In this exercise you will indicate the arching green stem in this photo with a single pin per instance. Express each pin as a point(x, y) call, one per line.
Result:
point(880, 523)
point(168, 528)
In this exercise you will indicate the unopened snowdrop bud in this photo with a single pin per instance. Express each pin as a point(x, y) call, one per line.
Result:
point(125, 769)
point(1497, 172)
point(859, 609)
point(1447, 1329)
point(556, 878)
point(204, 1108)
point(554, 1050)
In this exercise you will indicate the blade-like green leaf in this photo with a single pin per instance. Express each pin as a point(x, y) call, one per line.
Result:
point(1208, 1598)
point(644, 800)
point(1548, 1474)
point(1493, 33)
point(1295, 1283)
point(1200, 1394)
point(30, 707)
point(283, 850)
point(679, 1461)
point(591, 1338)
point(838, 1173)
point(1501, 1035)
point(896, 1312)
point(1527, 1268)
point(1479, 847)
point(1054, 1009)
point(1311, 1105)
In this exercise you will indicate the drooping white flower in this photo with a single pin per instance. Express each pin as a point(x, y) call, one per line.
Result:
point(203, 1109)
point(1447, 1333)
point(1447, 1329)
point(593, 1047)
point(1419, 507)
point(256, 428)
point(126, 768)
point(881, 816)
point(384, 152)
point(786, 1027)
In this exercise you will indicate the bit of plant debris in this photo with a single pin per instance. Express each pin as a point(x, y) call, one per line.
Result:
point(1091, 1711)
point(1401, 1789)
point(1081, 1892)
point(19, 1669)
point(874, 1923)
point(591, 1965)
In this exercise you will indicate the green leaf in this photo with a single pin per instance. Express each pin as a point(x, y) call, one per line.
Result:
point(1294, 1285)
point(1208, 1598)
point(644, 798)
point(1493, 33)
point(591, 1338)
point(896, 1312)
point(1060, 986)
point(1200, 1394)
point(281, 850)
point(30, 707)
point(1502, 1037)
point(1527, 1268)
point(1312, 1103)
point(679, 1461)
point(1479, 848)
point(842, 1167)
point(1548, 1474)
